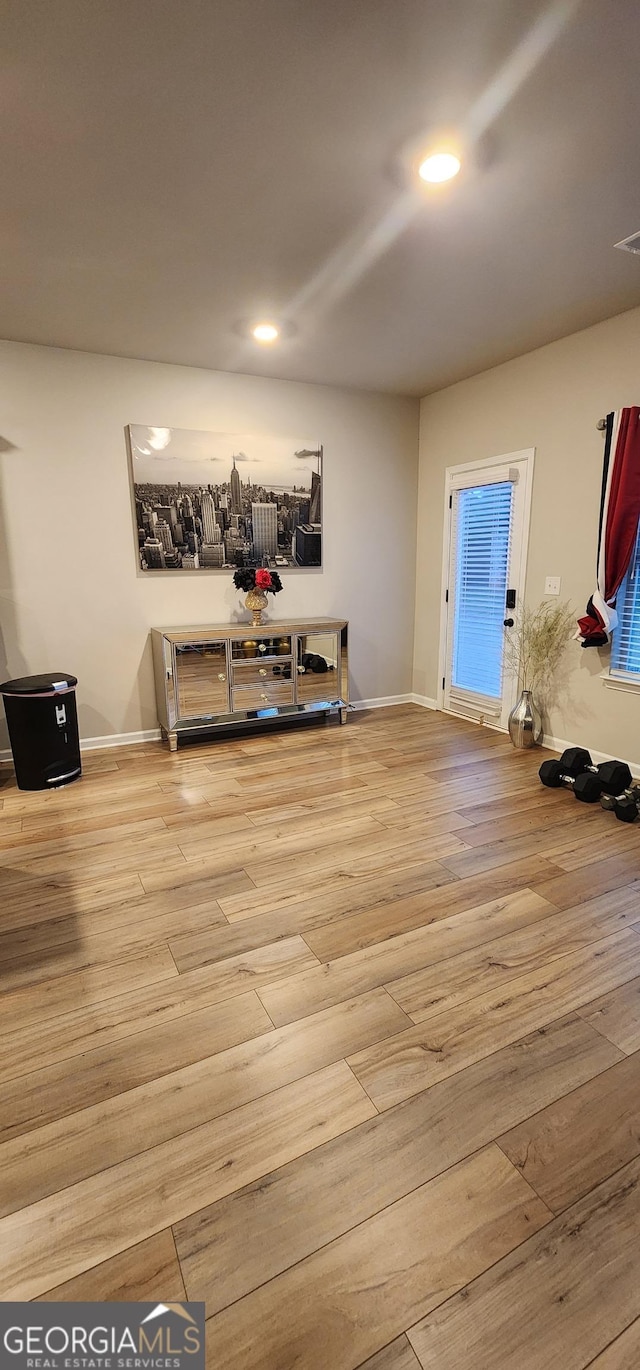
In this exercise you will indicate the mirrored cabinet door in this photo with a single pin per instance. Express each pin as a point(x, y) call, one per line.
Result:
point(317, 667)
point(201, 679)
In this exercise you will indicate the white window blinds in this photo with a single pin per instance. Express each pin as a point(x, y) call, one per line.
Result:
point(625, 648)
point(481, 531)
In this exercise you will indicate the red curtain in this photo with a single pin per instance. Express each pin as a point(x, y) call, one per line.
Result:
point(619, 518)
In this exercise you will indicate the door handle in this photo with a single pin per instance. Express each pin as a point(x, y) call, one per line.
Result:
point(508, 622)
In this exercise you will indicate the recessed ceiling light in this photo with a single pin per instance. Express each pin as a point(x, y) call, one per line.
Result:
point(441, 166)
point(265, 332)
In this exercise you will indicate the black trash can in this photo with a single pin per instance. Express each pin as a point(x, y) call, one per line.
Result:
point(43, 729)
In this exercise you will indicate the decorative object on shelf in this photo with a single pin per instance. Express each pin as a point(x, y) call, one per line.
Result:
point(258, 585)
point(211, 501)
point(533, 651)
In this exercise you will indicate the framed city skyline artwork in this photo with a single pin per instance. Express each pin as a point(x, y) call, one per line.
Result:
point(216, 501)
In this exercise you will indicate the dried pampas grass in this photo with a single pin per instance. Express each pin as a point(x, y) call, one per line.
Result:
point(535, 645)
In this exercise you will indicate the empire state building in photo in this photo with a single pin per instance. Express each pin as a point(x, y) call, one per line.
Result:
point(236, 491)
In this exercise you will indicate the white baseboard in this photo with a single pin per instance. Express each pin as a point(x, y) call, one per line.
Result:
point(387, 702)
point(424, 701)
point(382, 702)
point(560, 744)
point(93, 744)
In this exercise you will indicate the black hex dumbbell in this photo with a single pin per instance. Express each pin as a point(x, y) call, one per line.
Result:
point(575, 771)
point(567, 772)
point(586, 786)
point(576, 760)
point(614, 777)
point(625, 806)
point(573, 762)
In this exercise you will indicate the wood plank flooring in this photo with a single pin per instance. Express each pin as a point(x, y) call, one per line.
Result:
point(336, 1029)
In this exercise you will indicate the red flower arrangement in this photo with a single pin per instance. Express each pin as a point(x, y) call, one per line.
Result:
point(268, 581)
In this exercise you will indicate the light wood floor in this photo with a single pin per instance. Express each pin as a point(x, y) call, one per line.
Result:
point(337, 1029)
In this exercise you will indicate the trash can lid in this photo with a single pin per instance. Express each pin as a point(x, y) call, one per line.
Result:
point(50, 683)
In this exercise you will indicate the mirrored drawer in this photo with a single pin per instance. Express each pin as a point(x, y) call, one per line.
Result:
point(258, 644)
point(261, 696)
point(266, 672)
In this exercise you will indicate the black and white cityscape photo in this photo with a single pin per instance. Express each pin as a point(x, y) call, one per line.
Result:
point(217, 501)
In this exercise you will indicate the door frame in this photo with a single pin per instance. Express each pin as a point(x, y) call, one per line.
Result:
point(452, 481)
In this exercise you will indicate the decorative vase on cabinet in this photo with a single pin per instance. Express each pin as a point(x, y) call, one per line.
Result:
point(256, 602)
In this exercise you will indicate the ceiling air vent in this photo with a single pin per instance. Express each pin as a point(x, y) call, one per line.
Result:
point(631, 244)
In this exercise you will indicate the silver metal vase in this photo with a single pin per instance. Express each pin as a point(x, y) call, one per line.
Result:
point(525, 723)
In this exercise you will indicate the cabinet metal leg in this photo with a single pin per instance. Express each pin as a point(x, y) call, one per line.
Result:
point(173, 742)
point(344, 714)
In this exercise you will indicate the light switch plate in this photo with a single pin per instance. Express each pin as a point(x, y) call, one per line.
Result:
point(552, 585)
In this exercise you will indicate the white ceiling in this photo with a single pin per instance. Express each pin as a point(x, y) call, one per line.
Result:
point(173, 168)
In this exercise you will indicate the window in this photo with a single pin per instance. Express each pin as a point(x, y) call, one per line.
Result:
point(625, 648)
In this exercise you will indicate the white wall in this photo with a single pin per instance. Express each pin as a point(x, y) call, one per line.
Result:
point(550, 399)
point(70, 596)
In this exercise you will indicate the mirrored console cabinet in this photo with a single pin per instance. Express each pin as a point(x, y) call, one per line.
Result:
point(210, 678)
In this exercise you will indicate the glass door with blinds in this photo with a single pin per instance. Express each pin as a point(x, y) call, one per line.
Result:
point(484, 573)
